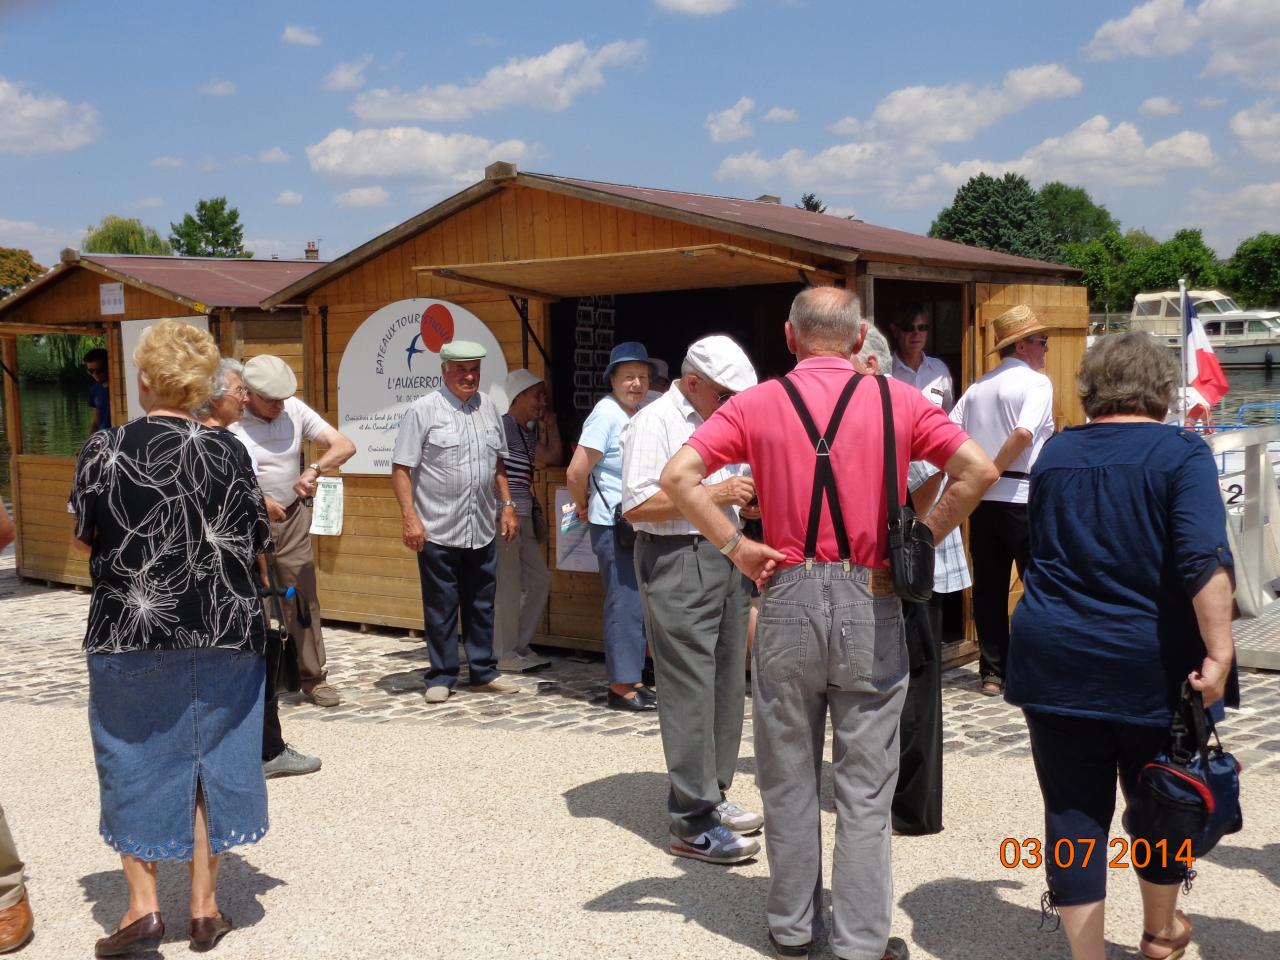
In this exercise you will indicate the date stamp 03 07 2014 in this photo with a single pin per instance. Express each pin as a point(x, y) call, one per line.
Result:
point(1030, 852)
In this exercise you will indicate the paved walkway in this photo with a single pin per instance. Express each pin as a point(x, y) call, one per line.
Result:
point(532, 826)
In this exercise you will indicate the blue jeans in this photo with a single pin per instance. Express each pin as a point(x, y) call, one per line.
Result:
point(456, 578)
point(624, 641)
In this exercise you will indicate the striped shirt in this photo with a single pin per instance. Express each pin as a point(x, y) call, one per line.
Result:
point(519, 461)
point(950, 568)
point(453, 449)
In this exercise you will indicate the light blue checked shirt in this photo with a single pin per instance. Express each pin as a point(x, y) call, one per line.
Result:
point(950, 568)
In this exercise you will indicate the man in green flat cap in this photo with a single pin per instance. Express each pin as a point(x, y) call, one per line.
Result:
point(448, 460)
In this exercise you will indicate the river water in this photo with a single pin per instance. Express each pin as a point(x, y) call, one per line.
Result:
point(55, 417)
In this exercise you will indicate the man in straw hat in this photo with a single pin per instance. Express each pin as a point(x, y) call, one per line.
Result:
point(696, 606)
point(274, 425)
point(448, 460)
point(1009, 412)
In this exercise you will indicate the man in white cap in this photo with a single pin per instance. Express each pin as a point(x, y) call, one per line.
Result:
point(659, 382)
point(274, 425)
point(696, 606)
point(448, 460)
point(1009, 412)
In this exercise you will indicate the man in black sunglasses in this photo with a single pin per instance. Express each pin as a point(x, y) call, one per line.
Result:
point(929, 375)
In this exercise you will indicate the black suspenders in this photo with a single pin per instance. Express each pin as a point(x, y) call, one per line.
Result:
point(824, 478)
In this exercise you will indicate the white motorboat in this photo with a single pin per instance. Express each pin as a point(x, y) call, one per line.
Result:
point(1240, 338)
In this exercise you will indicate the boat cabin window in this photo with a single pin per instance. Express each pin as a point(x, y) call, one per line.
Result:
point(1213, 328)
point(1149, 308)
point(1235, 328)
point(1258, 326)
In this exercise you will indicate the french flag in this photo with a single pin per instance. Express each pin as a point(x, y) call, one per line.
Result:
point(1203, 370)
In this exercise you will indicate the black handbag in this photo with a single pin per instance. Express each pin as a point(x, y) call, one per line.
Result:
point(911, 545)
point(1189, 794)
point(283, 671)
point(624, 534)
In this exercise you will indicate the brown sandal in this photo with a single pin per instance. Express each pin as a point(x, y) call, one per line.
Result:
point(1177, 945)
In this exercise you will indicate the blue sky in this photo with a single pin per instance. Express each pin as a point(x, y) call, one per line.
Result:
point(332, 122)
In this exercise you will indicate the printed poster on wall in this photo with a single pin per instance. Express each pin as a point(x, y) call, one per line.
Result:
point(392, 359)
point(111, 298)
point(130, 333)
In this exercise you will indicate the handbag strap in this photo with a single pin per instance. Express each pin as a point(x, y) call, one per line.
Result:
point(893, 510)
point(600, 493)
point(824, 478)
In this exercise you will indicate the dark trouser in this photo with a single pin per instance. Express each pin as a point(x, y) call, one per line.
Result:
point(917, 800)
point(1077, 759)
point(696, 603)
point(453, 579)
point(998, 539)
point(295, 566)
point(272, 736)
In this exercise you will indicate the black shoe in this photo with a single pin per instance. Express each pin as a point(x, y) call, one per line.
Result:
point(646, 675)
point(896, 949)
point(635, 704)
point(646, 694)
point(789, 949)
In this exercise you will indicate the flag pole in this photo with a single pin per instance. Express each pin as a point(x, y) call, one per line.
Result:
point(1182, 311)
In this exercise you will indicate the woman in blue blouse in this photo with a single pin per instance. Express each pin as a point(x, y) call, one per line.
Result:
point(1127, 595)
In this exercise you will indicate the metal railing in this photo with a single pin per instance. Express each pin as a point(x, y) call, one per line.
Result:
point(1253, 514)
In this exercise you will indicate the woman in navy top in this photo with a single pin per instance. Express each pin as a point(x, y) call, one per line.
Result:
point(1127, 595)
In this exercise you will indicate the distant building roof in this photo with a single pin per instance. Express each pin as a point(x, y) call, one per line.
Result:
point(213, 281)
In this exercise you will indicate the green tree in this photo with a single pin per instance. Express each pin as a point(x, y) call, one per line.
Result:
point(810, 202)
point(17, 268)
point(1184, 255)
point(214, 231)
point(118, 235)
point(1106, 263)
point(1140, 238)
point(1253, 272)
point(1002, 214)
point(1072, 216)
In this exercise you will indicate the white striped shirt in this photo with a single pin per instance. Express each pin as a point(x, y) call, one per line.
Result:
point(453, 448)
point(950, 568)
point(649, 440)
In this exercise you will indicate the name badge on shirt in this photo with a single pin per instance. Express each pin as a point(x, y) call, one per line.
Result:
point(936, 391)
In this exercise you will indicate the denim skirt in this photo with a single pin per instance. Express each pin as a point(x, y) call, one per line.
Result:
point(166, 724)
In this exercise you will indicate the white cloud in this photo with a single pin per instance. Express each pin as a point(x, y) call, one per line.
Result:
point(1158, 28)
point(45, 243)
point(949, 176)
point(731, 124)
point(349, 75)
point(149, 203)
point(956, 112)
point(842, 165)
point(1210, 102)
point(846, 127)
point(33, 123)
point(1097, 152)
point(1159, 107)
point(362, 197)
point(209, 164)
point(1258, 130)
point(1231, 217)
point(167, 163)
point(1244, 40)
point(549, 81)
point(218, 88)
point(698, 8)
point(781, 115)
point(274, 155)
point(300, 36)
point(289, 198)
point(409, 152)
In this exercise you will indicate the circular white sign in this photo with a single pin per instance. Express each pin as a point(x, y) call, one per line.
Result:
point(392, 359)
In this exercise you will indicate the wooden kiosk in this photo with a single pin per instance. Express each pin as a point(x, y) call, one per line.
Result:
point(95, 294)
point(531, 255)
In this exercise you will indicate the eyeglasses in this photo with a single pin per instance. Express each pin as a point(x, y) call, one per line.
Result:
point(916, 328)
point(723, 398)
point(1042, 341)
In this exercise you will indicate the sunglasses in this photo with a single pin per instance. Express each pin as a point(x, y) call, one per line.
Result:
point(1042, 341)
point(916, 328)
point(96, 371)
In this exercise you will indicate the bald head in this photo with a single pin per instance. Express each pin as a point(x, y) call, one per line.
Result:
point(826, 320)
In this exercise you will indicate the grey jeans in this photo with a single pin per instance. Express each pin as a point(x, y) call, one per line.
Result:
point(828, 639)
point(523, 585)
point(696, 605)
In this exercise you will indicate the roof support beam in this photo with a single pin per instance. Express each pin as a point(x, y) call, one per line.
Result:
point(448, 273)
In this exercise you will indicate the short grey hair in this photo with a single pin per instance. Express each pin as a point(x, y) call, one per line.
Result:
point(1127, 374)
point(875, 345)
point(826, 318)
point(220, 384)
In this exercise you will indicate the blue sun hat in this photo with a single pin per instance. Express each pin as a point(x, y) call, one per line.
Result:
point(631, 350)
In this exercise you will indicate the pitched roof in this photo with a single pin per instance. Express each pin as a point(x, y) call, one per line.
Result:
point(833, 237)
point(213, 281)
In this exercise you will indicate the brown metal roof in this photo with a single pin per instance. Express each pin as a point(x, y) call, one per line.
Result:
point(865, 239)
point(212, 281)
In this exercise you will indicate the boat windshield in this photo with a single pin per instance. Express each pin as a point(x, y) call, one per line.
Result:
point(1218, 305)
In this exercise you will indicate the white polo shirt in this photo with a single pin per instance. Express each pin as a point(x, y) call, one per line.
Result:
point(933, 379)
point(1010, 396)
point(276, 446)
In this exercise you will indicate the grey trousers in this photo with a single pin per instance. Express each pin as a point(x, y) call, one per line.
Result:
point(829, 640)
point(11, 888)
point(696, 605)
point(296, 567)
point(523, 584)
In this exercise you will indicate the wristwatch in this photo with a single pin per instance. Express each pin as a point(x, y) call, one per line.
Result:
point(315, 467)
point(508, 503)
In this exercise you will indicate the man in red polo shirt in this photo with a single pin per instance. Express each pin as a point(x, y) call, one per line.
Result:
point(830, 634)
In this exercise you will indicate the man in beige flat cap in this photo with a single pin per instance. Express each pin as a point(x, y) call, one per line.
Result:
point(274, 425)
point(1009, 412)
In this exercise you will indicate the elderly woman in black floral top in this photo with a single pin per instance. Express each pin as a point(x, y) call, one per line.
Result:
point(173, 518)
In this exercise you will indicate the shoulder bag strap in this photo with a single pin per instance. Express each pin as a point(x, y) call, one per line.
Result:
point(890, 458)
point(824, 478)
